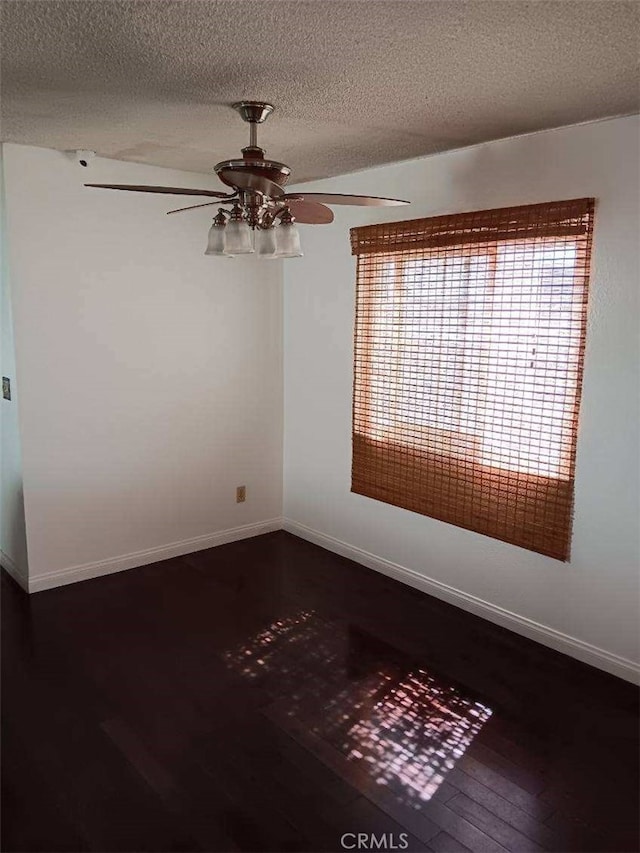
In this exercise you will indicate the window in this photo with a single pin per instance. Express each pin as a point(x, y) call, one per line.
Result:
point(470, 333)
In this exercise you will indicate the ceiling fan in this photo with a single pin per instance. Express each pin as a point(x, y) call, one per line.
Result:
point(262, 216)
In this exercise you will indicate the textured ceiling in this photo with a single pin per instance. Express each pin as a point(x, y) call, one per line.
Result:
point(355, 83)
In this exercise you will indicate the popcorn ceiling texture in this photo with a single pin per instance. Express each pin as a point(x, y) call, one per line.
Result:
point(355, 84)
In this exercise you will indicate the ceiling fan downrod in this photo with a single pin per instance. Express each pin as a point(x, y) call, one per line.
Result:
point(253, 112)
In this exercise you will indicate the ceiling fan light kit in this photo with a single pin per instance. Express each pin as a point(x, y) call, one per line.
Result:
point(263, 216)
point(233, 236)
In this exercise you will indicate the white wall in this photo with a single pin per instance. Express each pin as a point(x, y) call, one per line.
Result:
point(13, 542)
point(150, 375)
point(594, 598)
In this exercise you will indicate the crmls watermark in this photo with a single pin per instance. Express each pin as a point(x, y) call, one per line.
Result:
point(371, 841)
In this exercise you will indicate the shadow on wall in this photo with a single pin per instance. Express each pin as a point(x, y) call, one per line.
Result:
point(13, 542)
point(13, 536)
point(518, 162)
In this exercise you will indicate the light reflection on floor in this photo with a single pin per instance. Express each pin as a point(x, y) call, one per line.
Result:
point(414, 735)
point(400, 725)
point(289, 650)
point(271, 645)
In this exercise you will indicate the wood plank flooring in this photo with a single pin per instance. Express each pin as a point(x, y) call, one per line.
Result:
point(268, 695)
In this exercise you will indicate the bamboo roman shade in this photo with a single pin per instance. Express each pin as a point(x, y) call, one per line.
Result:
point(469, 346)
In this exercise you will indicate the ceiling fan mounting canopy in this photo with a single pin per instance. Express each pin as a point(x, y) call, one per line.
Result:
point(255, 112)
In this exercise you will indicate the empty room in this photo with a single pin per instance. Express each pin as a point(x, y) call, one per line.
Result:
point(320, 472)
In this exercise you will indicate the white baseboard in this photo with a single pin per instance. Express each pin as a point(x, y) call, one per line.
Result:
point(572, 646)
point(14, 570)
point(150, 555)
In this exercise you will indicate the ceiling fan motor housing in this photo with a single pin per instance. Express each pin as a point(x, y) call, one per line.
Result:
point(270, 169)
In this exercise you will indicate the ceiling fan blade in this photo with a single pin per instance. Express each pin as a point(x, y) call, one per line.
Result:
point(195, 206)
point(167, 190)
point(310, 212)
point(250, 181)
point(336, 198)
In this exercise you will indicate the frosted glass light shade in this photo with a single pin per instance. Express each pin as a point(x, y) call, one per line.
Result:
point(238, 238)
point(266, 242)
point(288, 242)
point(216, 240)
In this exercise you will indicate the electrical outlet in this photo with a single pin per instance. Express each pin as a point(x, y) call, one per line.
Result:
point(241, 494)
point(6, 387)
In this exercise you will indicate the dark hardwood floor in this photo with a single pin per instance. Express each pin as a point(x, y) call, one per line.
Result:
point(270, 696)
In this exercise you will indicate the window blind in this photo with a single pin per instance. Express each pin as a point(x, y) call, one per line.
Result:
point(469, 347)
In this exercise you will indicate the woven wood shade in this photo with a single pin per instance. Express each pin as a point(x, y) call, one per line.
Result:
point(469, 347)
